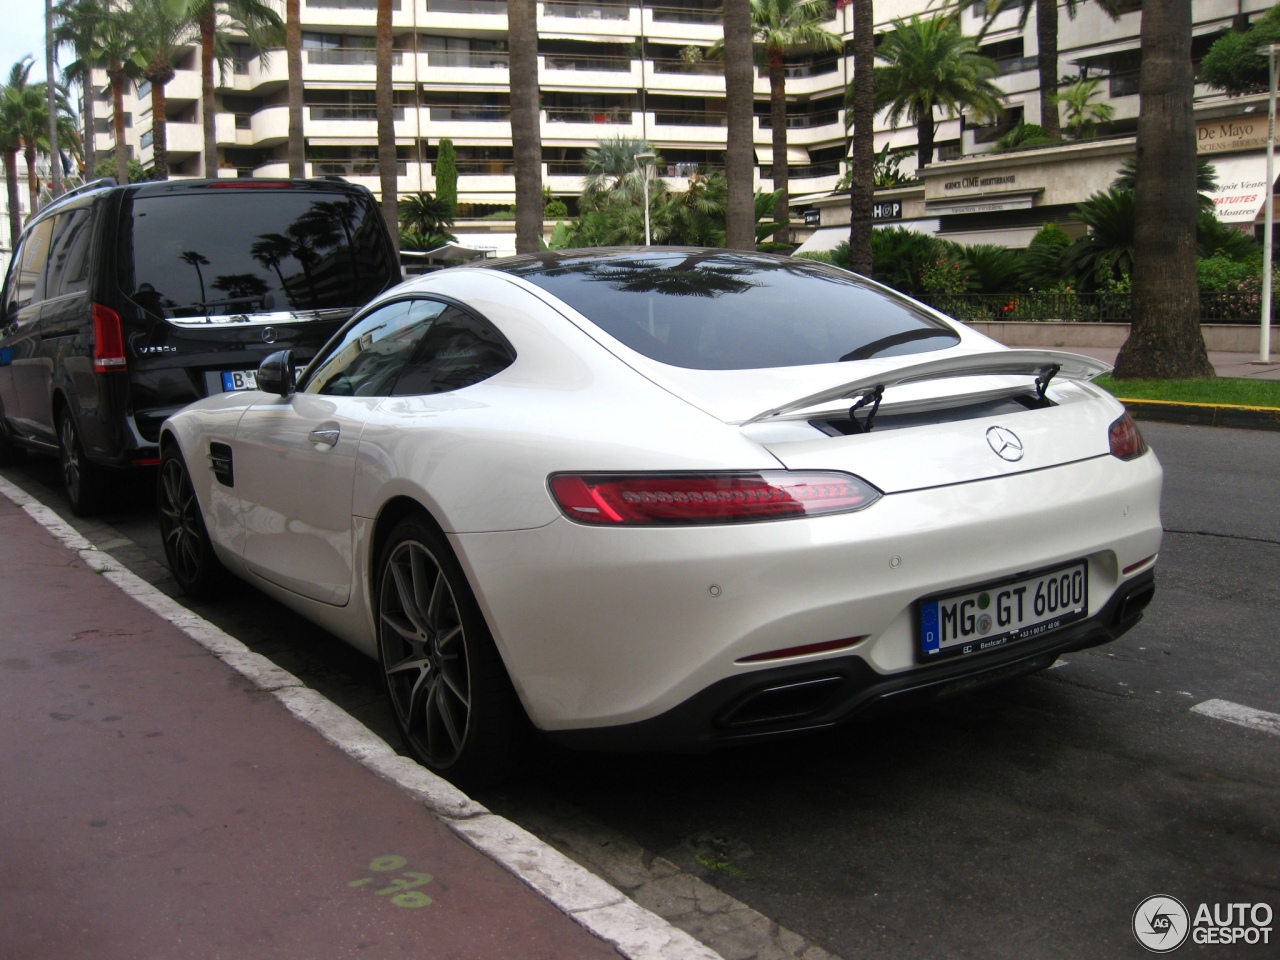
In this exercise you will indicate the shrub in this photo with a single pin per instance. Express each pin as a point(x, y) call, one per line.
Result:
point(556, 210)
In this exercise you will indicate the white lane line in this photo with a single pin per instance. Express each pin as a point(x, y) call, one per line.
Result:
point(636, 933)
point(1241, 715)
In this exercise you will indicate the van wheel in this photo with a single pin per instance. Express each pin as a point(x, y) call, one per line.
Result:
point(83, 482)
point(10, 452)
point(453, 702)
point(187, 548)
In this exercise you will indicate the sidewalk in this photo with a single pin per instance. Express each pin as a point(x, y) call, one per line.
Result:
point(1243, 365)
point(158, 805)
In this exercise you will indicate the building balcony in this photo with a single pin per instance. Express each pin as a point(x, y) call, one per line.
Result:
point(183, 139)
point(693, 127)
point(586, 16)
point(269, 126)
point(805, 127)
point(462, 123)
point(585, 123)
point(184, 87)
point(257, 73)
point(682, 24)
point(680, 77)
point(473, 14)
point(572, 71)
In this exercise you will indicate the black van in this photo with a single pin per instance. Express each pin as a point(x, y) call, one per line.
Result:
point(125, 303)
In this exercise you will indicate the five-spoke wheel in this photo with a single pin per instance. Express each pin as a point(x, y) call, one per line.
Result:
point(82, 481)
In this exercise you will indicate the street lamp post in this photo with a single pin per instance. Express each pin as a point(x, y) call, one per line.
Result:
point(1264, 339)
point(647, 159)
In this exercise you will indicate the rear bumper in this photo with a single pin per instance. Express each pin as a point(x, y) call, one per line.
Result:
point(789, 700)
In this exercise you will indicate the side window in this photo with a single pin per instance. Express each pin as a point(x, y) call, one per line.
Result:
point(28, 278)
point(69, 254)
point(459, 350)
point(369, 358)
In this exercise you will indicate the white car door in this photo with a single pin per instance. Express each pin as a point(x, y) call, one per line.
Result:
point(296, 457)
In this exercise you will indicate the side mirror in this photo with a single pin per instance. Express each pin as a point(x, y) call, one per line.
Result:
point(275, 373)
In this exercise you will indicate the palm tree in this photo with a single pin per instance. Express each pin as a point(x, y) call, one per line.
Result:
point(1165, 341)
point(117, 47)
point(78, 25)
point(1083, 114)
point(293, 54)
point(11, 120)
point(264, 29)
point(26, 118)
point(425, 214)
point(862, 114)
point(1047, 45)
point(162, 28)
point(739, 94)
point(526, 140)
point(612, 168)
point(387, 166)
point(932, 64)
point(780, 26)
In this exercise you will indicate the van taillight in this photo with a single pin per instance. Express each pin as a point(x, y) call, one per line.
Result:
point(108, 340)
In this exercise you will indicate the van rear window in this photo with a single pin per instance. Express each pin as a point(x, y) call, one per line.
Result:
point(229, 252)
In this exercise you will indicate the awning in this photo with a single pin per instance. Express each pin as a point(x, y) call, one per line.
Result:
point(450, 252)
point(794, 154)
point(1242, 187)
point(828, 238)
point(1015, 238)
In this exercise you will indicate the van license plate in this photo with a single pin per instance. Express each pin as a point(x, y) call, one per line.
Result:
point(996, 615)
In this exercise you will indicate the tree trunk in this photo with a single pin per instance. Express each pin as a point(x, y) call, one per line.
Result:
point(293, 54)
point(526, 140)
point(33, 182)
point(1047, 41)
point(159, 131)
point(924, 138)
point(11, 187)
point(51, 92)
point(90, 126)
point(1165, 341)
point(208, 93)
point(739, 90)
point(116, 75)
point(778, 121)
point(862, 186)
point(387, 166)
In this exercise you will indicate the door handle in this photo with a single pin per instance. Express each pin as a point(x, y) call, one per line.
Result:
point(326, 435)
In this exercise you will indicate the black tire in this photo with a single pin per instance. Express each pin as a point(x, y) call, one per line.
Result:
point(450, 694)
point(10, 452)
point(187, 549)
point(83, 483)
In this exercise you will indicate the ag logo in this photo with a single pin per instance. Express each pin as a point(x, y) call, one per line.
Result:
point(1005, 443)
point(1161, 924)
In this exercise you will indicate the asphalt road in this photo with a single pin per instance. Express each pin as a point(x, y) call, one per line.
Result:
point(1028, 821)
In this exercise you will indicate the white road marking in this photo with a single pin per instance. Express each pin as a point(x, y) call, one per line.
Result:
point(1240, 715)
point(636, 933)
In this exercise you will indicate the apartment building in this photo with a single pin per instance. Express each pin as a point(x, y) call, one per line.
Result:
point(631, 68)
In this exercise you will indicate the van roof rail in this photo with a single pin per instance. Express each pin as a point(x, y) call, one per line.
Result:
point(101, 183)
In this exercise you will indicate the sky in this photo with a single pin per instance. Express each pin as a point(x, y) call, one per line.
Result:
point(22, 34)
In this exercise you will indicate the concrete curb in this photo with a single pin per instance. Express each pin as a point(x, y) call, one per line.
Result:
point(636, 933)
point(1204, 414)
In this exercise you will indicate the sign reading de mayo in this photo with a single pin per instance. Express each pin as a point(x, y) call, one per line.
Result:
point(1235, 133)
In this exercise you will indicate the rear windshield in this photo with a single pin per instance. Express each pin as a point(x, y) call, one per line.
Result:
point(725, 311)
point(220, 252)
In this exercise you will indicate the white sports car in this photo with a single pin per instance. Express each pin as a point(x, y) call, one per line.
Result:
point(653, 499)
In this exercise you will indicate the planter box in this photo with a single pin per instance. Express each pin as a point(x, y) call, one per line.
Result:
point(1218, 337)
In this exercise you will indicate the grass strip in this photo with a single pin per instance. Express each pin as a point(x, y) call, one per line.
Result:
point(1228, 391)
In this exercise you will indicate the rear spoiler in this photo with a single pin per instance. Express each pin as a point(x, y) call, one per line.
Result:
point(1043, 365)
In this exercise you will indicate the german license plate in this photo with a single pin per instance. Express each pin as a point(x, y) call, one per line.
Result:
point(976, 620)
point(247, 379)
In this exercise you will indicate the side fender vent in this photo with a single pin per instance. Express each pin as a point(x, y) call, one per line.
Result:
point(220, 464)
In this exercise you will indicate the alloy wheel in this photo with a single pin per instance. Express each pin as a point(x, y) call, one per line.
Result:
point(71, 457)
point(425, 654)
point(180, 523)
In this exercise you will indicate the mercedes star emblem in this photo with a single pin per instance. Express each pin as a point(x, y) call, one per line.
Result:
point(268, 334)
point(1005, 443)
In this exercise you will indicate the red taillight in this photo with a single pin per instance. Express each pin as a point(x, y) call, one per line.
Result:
point(108, 340)
point(650, 499)
point(824, 647)
point(1126, 439)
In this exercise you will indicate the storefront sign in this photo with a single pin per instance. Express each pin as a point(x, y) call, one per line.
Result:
point(981, 183)
point(812, 218)
point(1237, 133)
point(887, 210)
